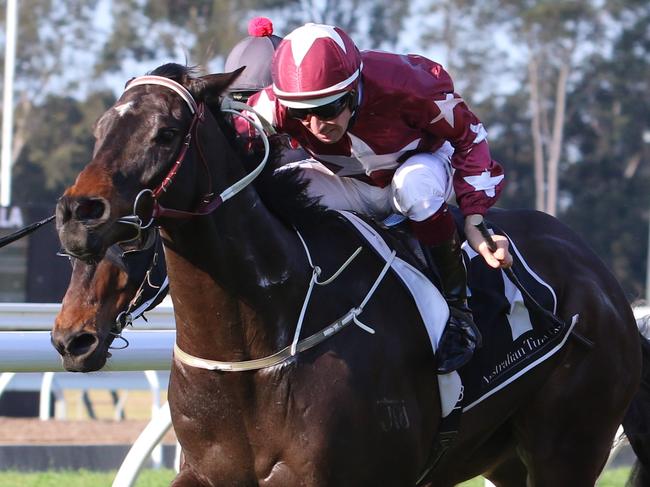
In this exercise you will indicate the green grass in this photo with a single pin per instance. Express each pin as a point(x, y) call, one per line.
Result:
point(614, 478)
point(81, 478)
point(162, 478)
point(611, 478)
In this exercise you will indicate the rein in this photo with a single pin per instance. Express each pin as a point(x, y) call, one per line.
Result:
point(149, 294)
point(23, 232)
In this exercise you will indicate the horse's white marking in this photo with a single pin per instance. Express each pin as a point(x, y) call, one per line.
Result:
point(122, 109)
point(266, 281)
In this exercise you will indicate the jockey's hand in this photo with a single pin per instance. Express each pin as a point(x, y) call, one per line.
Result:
point(499, 259)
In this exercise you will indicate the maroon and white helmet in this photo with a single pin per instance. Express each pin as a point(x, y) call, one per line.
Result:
point(315, 65)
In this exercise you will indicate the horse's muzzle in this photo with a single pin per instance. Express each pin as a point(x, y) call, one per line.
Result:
point(81, 351)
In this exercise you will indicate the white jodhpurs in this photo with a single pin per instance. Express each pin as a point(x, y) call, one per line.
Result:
point(419, 188)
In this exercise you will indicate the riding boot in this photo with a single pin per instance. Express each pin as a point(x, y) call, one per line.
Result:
point(461, 336)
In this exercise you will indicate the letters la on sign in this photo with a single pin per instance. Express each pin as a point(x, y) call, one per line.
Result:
point(11, 217)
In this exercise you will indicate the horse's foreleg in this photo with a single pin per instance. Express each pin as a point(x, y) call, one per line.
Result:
point(187, 478)
point(510, 473)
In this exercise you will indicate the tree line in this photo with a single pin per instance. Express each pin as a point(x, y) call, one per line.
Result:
point(562, 88)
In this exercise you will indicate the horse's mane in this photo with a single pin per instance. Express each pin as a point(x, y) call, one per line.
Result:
point(177, 72)
point(284, 192)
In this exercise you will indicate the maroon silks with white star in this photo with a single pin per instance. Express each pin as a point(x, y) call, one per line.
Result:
point(408, 105)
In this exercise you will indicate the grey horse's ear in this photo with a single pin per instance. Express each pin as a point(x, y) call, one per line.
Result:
point(210, 87)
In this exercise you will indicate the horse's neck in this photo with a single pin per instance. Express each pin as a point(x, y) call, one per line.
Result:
point(233, 278)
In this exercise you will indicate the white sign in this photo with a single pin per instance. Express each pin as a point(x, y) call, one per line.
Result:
point(11, 217)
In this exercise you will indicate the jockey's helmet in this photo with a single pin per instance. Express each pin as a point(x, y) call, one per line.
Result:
point(256, 53)
point(315, 65)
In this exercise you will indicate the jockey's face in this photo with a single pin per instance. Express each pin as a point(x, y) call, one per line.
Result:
point(328, 131)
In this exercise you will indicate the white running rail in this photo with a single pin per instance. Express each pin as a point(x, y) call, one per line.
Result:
point(31, 351)
point(149, 350)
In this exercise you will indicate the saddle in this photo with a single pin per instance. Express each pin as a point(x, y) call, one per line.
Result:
point(519, 328)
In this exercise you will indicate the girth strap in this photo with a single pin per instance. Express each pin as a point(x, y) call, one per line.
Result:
point(271, 360)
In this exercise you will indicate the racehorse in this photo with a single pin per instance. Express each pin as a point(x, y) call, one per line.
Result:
point(91, 311)
point(238, 274)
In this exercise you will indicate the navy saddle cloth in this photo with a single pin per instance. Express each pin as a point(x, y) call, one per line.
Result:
point(517, 336)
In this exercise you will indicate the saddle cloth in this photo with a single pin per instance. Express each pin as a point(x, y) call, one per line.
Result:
point(516, 335)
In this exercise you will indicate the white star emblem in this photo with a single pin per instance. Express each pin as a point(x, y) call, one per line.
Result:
point(265, 108)
point(446, 107)
point(484, 182)
point(479, 130)
point(304, 37)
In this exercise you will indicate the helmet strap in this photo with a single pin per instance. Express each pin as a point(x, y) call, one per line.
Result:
point(353, 103)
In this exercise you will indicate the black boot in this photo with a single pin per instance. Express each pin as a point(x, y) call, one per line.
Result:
point(461, 336)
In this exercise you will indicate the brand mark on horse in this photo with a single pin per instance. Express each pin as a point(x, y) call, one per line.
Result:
point(395, 415)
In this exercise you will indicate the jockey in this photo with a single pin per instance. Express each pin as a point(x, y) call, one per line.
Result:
point(392, 136)
point(256, 53)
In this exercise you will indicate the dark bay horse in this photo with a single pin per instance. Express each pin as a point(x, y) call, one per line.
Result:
point(238, 278)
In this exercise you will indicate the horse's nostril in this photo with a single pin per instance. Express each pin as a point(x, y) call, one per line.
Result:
point(89, 209)
point(63, 211)
point(82, 344)
point(57, 343)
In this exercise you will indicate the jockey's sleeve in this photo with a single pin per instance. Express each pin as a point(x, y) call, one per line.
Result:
point(265, 105)
point(478, 179)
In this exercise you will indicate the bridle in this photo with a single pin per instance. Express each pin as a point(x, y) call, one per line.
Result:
point(150, 294)
point(154, 285)
point(209, 202)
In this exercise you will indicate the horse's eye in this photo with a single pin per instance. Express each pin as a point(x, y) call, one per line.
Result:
point(166, 136)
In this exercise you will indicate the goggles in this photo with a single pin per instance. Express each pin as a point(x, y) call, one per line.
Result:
point(323, 112)
point(242, 96)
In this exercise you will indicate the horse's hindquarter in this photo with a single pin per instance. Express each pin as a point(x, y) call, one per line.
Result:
point(567, 408)
point(573, 404)
point(581, 281)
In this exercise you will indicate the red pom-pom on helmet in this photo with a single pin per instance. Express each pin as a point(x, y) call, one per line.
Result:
point(260, 27)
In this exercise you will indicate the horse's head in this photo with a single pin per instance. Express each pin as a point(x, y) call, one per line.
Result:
point(102, 298)
point(140, 143)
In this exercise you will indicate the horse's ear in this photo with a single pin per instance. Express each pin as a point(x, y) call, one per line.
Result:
point(210, 87)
